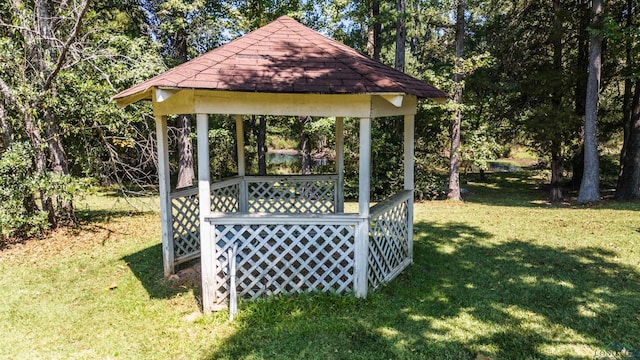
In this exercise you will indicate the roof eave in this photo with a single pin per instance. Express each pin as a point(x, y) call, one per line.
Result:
point(123, 101)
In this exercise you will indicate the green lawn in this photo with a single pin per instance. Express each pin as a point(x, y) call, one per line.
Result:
point(503, 275)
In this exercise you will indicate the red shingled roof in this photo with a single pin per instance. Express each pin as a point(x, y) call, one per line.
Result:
point(287, 57)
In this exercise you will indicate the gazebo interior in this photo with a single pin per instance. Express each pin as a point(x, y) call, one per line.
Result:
point(263, 235)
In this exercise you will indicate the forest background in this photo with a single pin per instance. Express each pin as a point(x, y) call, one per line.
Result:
point(517, 71)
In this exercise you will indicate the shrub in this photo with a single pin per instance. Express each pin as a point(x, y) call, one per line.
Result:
point(21, 190)
point(429, 186)
point(18, 213)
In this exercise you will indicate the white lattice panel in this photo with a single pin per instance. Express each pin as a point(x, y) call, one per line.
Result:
point(274, 259)
point(389, 243)
point(185, 225)
point(185, 214)
point(225, 199)
point(291, 196)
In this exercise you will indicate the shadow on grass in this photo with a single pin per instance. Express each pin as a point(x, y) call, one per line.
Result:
point(521, 189)
point(88, 221)
point(147, 267)
point(106, 215)
point(504, 189)
point(464, 295)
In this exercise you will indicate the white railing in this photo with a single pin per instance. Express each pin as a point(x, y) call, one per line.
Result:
point(283, 253)
point(276, 235)
point(185, 225)
point(390, 240)
point(296, 194)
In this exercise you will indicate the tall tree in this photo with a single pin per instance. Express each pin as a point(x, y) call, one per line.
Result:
point(305, 143)
point(374, 32)
point(629, 181)
point(590, 185)
point(454, 156)
point(401, 34)
point(580, 76)
point(628, 187)
point(186, 172)
point(557, 156)
point(184, 29)
point(47, 34)
point(258, 126)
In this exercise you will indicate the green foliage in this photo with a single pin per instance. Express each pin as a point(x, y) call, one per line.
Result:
point(17, 187)
point(222, 145)
point(479, 147)
point(513, 91)
point(429, 186)
point(186, 29)
point(387, 154)
point(387, 176)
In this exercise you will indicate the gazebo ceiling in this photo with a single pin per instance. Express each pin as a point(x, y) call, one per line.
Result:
point(283, 57)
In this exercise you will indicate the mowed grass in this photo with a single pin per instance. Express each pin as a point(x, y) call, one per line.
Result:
point(503, 274)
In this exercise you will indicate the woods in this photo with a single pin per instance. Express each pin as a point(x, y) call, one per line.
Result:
point(522, 73)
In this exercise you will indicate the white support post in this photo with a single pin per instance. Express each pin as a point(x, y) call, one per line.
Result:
point(242, 201)
point(364, 175)
point(207, 244)
point(164, 180)
point(409, 173)
point(340, 164)
point(362, 232)
point(240, 144)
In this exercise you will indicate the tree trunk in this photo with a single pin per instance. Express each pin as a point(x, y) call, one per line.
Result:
point(577, 162)
point(629, 181)
point(260, 132)
point(305, 144)
point(186, 172)
point(454, 158)
point(557, 168)
point(590, 185)
point(374, 33)
point(39, 161)
point(628, 92)
point(627, 121)
point(582, 61)
point(401, 34)
point(580, 94)
point(557, 157)
point(47, 52)
point(58, 164)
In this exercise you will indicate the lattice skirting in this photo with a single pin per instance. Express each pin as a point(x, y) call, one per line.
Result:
point(388, 244)
point(274, 259)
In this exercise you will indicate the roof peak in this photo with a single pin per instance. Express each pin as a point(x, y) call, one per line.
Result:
point(285, 56)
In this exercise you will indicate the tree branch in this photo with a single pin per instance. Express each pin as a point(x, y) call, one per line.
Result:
point(65, 48)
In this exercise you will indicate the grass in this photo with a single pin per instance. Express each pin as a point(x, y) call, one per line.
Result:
point(504, 275)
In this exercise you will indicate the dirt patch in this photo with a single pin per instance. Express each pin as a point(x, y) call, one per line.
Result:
point(189, 277)
point(67, 241)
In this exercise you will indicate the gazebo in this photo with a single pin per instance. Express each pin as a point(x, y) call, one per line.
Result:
point(261, 235)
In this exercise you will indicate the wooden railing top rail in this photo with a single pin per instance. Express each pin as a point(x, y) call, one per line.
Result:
point(256, 178)
point(192, 190)
point(282, 219)
point(390, 202)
